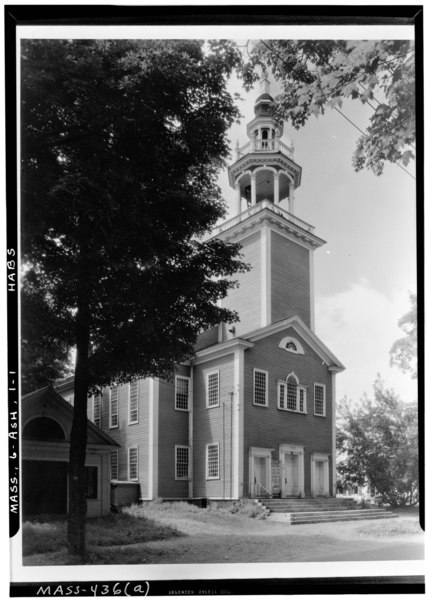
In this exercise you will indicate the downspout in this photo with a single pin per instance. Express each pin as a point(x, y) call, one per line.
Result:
point(190, 435)
point(334, 434)
point(223, 449)
point(231, 442)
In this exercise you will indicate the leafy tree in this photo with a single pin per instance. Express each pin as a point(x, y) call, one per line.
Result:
point(403, 352)
point(121, 144)
point(45, 354)
point(316, 75)
point(377, 445)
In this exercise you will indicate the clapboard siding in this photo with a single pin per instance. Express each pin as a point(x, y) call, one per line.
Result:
point(130, 435)
point(268, 427)
point(246, 298)
point(213, 425)
point(290, 279)
point(173, 430)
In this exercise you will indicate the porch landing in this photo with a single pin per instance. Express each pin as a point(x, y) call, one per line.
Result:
point(325, 509)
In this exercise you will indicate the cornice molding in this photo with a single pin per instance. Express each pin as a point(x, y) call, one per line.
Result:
point(219, 350)
point(271, 159)
point(277, 223)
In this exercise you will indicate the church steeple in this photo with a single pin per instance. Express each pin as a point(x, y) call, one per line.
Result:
point(264, 168)
point(277, 244)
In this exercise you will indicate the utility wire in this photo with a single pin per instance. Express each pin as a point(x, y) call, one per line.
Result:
point(341, 113)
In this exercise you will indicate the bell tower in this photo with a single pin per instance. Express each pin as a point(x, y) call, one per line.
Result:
point(264, 168)
point(277, 244)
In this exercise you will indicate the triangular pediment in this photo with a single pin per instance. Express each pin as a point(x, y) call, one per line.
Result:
point(47, 402)
point(294, 323)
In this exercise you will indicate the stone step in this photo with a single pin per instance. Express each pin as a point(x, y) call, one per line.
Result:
point(332, 513)
point(317, 518)
point(307, 501)
point(342, 518)
point(311, 508)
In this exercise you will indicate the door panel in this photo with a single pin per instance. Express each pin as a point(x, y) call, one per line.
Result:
point(295, 474)
point(319, 477)
point(260, 474)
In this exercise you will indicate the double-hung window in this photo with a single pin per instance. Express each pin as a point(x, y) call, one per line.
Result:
point(114, 407)
point(181, 462)
point(133, 402)
point(319, 399)
point(260, 387)
point(291, 395)
point(133, 463)
point(182, 386)
point(114, 464)
point(97, 410)
point(212, 460)
point(212, 389)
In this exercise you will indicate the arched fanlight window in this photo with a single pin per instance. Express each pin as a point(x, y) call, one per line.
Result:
point(291, 344)
point(43, 429)
point(292, 396)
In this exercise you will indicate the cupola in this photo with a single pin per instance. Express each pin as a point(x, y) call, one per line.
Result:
point(264, 168)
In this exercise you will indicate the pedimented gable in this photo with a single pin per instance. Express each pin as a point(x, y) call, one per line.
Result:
point(47, 403)
point(295, 334)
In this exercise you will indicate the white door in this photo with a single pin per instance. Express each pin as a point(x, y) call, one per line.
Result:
point(260, 475)
point(319, 477)
point(291, 474)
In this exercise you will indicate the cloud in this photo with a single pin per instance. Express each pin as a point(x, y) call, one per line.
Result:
point(359, 325)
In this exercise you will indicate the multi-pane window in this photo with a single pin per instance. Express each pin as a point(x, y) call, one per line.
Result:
point(97, 410)
point(181, 392)
point(133, 402)
point(292, 395)
point(301, 398)
point(133, 463)
point(181, 461)
point(319, 399)
point(212, 460)
point(260, 388)
point(114, 407)
point(212, 389)
point(114, 464)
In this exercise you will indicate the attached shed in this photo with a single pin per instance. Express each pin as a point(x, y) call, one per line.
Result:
point(46, 427)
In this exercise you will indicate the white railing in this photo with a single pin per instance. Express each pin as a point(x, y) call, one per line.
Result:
point(261, 491)
point(264, 204)
point(265, 145)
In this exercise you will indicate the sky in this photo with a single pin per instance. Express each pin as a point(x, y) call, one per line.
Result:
point(364, 273)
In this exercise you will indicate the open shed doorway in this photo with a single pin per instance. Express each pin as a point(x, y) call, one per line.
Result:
point(44, 487)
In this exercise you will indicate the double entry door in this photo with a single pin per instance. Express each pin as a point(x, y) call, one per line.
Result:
point(292, 463)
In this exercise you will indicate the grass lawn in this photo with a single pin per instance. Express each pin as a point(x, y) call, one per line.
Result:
point(178, 533)
point(50, 536)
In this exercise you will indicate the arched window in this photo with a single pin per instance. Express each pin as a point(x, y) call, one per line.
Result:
point(291, 396)
point(291, 344)
point(43, 429)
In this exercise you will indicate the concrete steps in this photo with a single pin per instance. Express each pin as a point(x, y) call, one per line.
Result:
point(311, 511)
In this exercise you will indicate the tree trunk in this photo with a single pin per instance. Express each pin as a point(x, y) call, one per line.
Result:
point(78, 440)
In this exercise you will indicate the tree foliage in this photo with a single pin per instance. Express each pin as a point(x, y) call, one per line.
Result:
point(121, 144)
point(403, 352)
point(377, 445)
point(317, 74)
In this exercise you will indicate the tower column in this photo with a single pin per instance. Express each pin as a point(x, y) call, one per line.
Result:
point(276, 188)
point(237, 199)
point(291, 197)
point(253, 189)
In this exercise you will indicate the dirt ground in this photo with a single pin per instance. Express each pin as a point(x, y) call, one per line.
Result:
point(226, 538)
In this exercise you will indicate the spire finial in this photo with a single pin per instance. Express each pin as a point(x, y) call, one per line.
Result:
point(264, 83)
